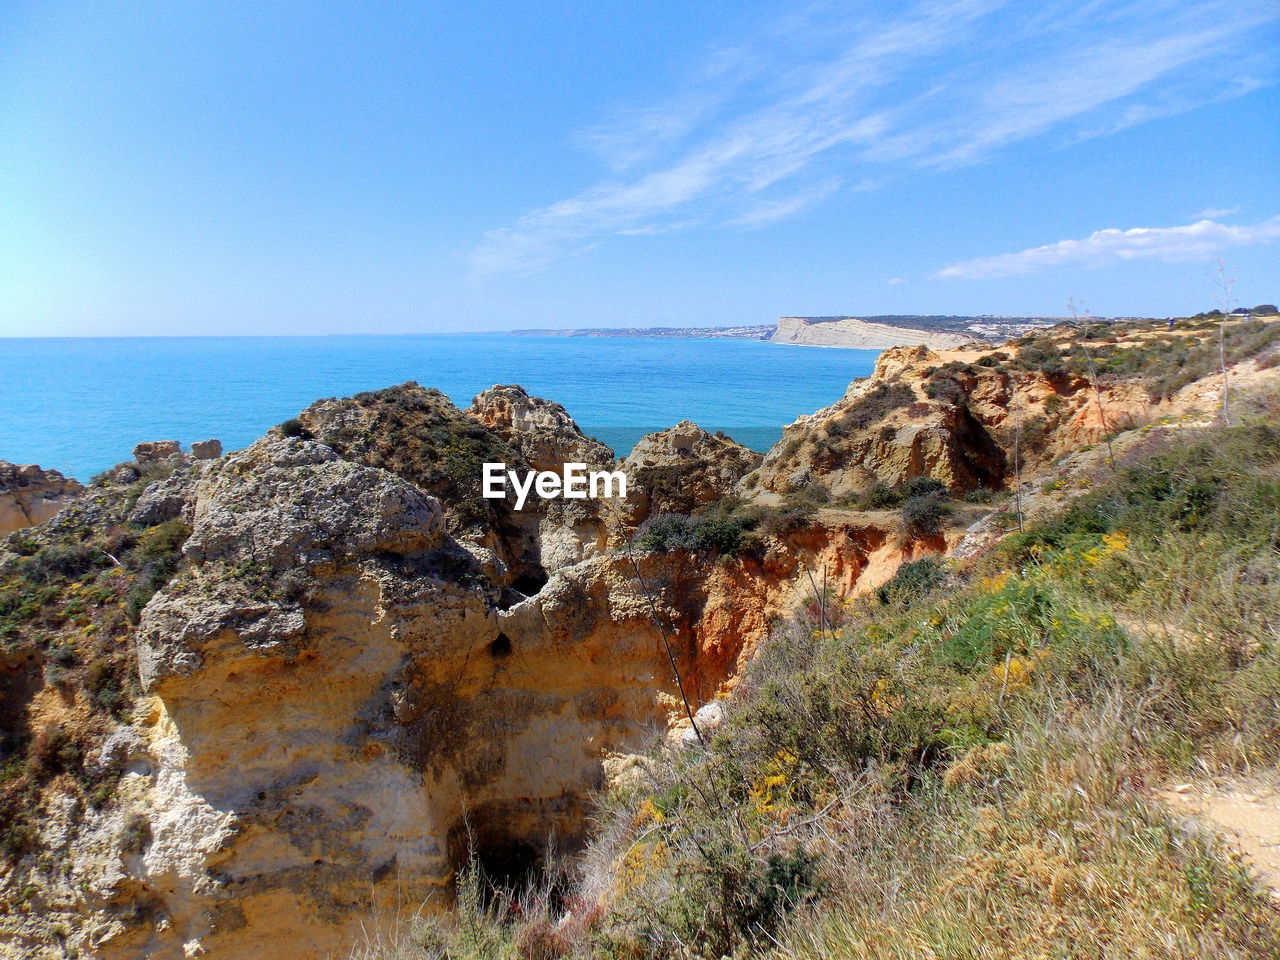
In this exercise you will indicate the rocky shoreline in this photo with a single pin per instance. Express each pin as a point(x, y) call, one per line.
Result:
point(258, 698)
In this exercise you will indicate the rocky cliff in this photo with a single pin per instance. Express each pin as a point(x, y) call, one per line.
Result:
point(276, 697)
point(684, 467)
point(854, 332)
point(351, 674)
point(974, 418)
point(30, 495)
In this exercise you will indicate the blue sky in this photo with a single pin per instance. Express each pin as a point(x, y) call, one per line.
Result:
point(265, 167)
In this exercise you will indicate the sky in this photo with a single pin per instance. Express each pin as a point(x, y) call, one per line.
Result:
point(188, 168)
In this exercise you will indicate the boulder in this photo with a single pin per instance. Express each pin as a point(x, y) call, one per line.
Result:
point(541, 430)
point(151, 451)
point(683, 467)
point(206, 449)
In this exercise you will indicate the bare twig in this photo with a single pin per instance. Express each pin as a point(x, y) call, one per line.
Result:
point(666, 643)
point(823, 623)
point(798, 825)
point(1225, 282)
point(1093, 380)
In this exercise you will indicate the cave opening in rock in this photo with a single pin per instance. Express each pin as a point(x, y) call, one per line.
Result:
point(503, 861)
point(500, 647)
point(530, 580)
point(510, 865)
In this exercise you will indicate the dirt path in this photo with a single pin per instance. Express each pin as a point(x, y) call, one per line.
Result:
point(1246, 812)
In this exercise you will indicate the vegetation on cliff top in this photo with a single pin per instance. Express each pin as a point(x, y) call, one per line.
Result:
point(1162, 360)
point(70, 595)
point(964, 764)
point(417, 434)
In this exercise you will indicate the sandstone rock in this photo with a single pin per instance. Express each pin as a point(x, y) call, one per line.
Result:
point(287, 503)
point(545, 437)
point(206, 449)
point(344, 689)
point(848, 450)
point(625, 770)
point(30, 495)
point(954, 415)
point(707, 717)
point(541, 430)
point(152, 451)
point(683, 467)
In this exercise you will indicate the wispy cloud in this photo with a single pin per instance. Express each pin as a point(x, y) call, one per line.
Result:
point(839, 94)
point(1193, 241)
point(1214, 213)
point(771, 210)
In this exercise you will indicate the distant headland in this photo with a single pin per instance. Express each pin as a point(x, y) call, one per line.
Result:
point(871, 333)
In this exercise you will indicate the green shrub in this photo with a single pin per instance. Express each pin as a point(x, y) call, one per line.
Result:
point(881, 497)
point(922, 516)
point(945, 389)
point(875, 405)
point(53, 751)
point(59, 561)
point(715, 533)
point(912, 581)
point(155, 560)
point(293, 427)
point(136, 836)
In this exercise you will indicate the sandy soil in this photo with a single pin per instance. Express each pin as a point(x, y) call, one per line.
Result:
point(1246, 812)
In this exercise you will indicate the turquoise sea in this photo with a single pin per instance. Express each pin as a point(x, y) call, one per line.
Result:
point(80, 405)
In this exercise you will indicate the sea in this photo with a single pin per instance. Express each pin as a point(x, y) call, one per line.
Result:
point(79, 405)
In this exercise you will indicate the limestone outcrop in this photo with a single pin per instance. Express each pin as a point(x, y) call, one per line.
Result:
point(347, 688)
point(30, 495)
point(545, 437)
point(206, 449)
point(540, 430)
point(969, 418)
point(684, 467)
point(154, 450)
point(855, 332)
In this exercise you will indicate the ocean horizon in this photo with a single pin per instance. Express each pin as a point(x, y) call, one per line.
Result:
point(79, 405)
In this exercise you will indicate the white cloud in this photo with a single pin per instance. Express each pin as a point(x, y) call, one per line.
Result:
point(1214, 213)
point(894, 281)
point(840, 94)
point(772, 210)
point(1194, 241)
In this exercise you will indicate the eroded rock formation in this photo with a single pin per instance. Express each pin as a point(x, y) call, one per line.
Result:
point(540, 430)
point(968, 418)
point(684, 467)
point(340, 703)
point(353, 672)
point(30, 495)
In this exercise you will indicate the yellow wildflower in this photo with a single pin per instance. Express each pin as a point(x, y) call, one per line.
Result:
point(1117, 540)
point(993, 584)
